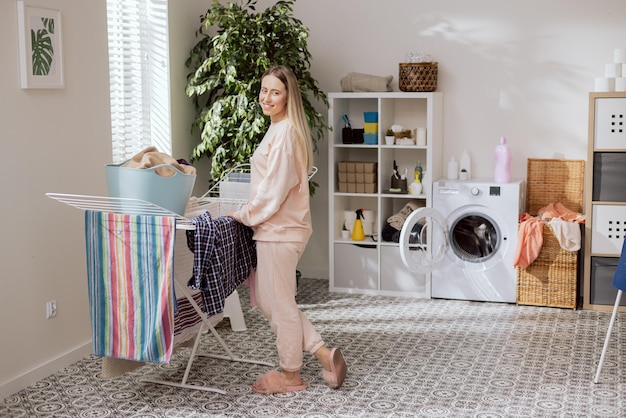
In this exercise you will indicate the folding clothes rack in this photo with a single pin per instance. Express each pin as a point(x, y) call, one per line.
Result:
point(217, 207)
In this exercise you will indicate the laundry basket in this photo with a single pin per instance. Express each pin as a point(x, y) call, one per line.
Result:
point(552, 279)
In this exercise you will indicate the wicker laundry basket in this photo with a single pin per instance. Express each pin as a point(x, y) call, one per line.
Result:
point(552, 279)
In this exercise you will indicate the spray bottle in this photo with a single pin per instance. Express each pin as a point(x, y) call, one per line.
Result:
point(358, 234)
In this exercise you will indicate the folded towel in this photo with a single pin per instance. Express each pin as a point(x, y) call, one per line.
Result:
point(398, 219)
point(365, 82)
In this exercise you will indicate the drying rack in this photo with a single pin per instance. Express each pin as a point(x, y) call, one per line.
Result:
point(210, 201)
point(217, 207)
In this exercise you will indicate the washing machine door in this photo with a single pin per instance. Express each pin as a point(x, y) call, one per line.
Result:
point(423, 240)
point(477, 237)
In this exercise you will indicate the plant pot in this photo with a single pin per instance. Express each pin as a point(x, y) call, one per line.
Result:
point(390, 140)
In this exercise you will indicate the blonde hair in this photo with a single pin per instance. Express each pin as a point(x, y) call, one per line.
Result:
point(295, 112)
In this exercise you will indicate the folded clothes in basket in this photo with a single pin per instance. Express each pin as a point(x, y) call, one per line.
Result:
point(150, 157)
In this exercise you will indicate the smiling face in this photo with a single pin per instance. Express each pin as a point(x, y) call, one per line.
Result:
point(273, 98)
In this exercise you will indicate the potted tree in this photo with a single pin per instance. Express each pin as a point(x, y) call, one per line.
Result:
point(225, 78)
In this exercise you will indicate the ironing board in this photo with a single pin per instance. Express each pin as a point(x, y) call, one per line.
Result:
point(141, 207)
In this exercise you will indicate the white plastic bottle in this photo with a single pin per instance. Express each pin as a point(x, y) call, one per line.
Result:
point(453, 169)
point(502, 157)
point(465, 166)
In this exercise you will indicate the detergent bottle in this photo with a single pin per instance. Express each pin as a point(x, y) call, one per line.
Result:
point(416, 186)
point(453, 169)
point(502, 171)
point(358, 234)
point(464, 166)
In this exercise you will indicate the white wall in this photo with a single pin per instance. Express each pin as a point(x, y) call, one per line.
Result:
point(59, 141)
point(519, 69)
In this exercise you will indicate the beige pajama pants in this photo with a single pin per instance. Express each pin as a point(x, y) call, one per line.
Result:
point(275, 291)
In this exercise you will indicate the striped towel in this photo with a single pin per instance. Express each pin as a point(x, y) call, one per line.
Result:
point(130, 265)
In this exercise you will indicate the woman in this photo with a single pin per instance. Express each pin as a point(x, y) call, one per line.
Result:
point(278, 212)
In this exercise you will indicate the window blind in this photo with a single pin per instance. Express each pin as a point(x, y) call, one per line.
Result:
point(139, 76)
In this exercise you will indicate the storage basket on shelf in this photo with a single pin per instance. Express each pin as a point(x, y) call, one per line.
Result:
point(552, 279)
point(419, 76)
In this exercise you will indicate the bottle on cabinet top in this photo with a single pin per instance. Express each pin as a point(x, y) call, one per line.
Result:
point(453, 169)
point(465, 166)
point(502, 157)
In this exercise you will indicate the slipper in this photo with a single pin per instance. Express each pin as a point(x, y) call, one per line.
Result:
point(338, 369)
point(274, 382)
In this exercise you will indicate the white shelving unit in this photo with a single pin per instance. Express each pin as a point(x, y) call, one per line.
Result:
point(605, 199)
point(374, 266)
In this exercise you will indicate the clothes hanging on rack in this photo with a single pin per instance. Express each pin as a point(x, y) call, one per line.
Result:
point(130, 264)
point(224, 254)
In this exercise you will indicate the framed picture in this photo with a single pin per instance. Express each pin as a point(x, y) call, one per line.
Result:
point(41, 52)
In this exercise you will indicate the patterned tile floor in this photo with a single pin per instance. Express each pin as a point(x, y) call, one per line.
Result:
point(407, 358)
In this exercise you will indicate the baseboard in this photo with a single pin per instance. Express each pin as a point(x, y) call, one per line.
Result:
point(314, 273)
point(44, 370)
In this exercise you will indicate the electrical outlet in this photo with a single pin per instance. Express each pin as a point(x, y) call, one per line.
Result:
point(51, 309)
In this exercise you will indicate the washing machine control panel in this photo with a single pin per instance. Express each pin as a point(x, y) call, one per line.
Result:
point(494, 190)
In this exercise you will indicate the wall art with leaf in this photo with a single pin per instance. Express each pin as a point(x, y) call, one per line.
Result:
point(41, 59)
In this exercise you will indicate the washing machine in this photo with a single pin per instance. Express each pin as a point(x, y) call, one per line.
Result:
point(467, 240)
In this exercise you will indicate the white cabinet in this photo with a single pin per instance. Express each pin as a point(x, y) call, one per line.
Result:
point(374, 266)
point(605, 199)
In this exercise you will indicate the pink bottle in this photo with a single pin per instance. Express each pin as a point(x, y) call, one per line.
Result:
point(502, 172)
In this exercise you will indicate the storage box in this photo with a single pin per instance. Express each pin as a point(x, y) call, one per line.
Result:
point(171, 193)
point(370, 128)
point(370, 117)
point(370, 167)
point(420, 76)
point(370, 139)
point(234, 190)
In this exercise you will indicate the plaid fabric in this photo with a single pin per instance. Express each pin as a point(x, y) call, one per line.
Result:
point(224, 253)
